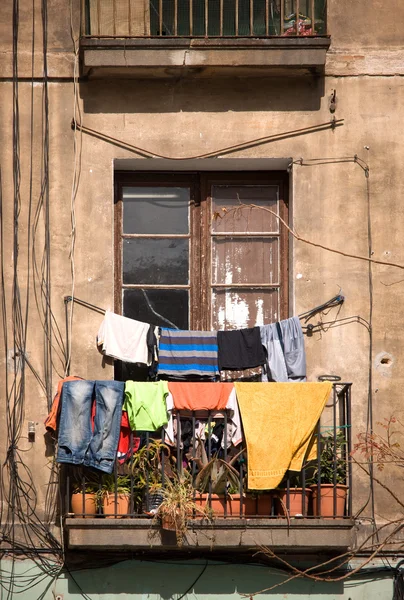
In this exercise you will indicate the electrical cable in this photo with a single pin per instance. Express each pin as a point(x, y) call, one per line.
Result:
point(53, 340)
point(311, 329)
point(194, 582)
point(368, 323)
point(311, 162)
point(335, 301)
point(45, 185)
point(77, 154)
point(21, 527)
point(369, 418)
point(369, 415)
point(316, 244)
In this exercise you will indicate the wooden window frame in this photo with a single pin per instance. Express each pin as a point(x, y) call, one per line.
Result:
point(200, 184)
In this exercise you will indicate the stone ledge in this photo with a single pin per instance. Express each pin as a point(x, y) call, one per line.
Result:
point(306, 535)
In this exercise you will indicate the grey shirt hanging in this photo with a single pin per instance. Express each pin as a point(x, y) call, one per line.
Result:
point(284, 343)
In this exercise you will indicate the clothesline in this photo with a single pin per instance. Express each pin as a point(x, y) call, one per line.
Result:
point(335, 301)
point(68, 299)
point(275, 348)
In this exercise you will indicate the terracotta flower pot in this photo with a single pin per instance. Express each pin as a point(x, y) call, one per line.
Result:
point(168, 522)
point(264, 504)
point(120, 507)
point(250, 504)
point(295, 502)
point(217, 504)
point(326, 508)
point(90, 505)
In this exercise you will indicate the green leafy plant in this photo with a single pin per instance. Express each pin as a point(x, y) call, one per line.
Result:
point(84, 481)
point(333, 460)
point(146, 465)
point(114, 495)
point(85, 492)
point(121, 485)
point(295, 481)
point(216, 472)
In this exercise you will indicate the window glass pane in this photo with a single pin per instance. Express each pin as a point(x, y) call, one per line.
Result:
point(166, 308)
point(236, 218)
point(239, 308)
point(240, 260)
point(156, 209)
point(156, 261)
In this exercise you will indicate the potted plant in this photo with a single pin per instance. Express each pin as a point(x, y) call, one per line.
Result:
point(114, 495)
point(264, 500)
point(84, 498)
point(292, 500)
point(178, 505)
point(222, 480)
point(146, 468)
point(329, 478)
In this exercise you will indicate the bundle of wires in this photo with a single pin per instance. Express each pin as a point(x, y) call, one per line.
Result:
point(335, 301)
point(26, 531)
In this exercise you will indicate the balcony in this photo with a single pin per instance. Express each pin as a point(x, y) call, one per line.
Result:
point(203, 37)
point(207, 484)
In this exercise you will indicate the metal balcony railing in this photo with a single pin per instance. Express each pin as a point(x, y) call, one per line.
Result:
point(203, 18)
point(152, 465)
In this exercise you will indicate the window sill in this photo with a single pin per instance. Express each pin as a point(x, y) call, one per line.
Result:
point(167, 57)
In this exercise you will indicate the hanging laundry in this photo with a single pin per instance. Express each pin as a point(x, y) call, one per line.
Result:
point(152, 346)
point(185, 353)
point(52, 420)
point(81, 441)
point(254, 374)
point(124, 446)
point(216, 434)
point(279, 420)
point(146, 404)
point(233, 430)
point(284, 343)
point(240, 349)
point(201, 397)
point(185, 432)
point(125, 339)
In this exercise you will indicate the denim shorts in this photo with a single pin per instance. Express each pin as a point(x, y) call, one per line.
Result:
point(78, 443)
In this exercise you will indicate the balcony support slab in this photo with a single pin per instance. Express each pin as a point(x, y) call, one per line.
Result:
point(170, 57)
point(304, 535)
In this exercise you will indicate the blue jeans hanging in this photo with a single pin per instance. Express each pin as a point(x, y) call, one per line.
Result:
point(78, 443)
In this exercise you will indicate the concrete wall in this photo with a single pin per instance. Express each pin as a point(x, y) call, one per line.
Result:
point(183, 117)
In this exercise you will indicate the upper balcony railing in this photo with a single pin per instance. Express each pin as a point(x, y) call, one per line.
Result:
point(203, 18)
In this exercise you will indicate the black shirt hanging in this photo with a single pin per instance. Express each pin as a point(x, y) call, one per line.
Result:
point(240, 349)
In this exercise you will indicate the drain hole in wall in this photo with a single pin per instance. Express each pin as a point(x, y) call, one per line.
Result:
point(384, 362)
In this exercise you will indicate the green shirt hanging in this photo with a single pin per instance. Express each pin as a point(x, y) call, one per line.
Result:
point(145, 403)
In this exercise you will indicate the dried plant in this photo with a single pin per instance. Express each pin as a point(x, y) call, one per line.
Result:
point(179, 506)
point(382, 448)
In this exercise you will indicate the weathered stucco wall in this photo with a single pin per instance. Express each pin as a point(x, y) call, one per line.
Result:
point(183, 117)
